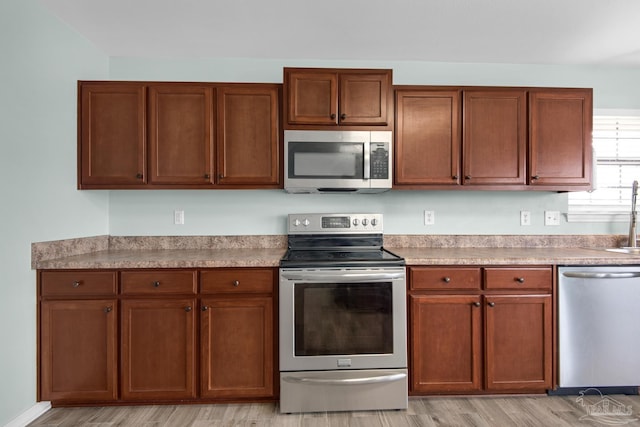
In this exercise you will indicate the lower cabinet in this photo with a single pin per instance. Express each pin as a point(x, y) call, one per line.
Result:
point(78, 342)
point(236, 333)
point(480, 330)
point(156, 335)
point(158, 349)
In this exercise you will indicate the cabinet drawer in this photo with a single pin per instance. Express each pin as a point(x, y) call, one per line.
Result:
point(518, 278)
point(235, 280)
point(435, 278)
point(72, 283)
point(158, 282)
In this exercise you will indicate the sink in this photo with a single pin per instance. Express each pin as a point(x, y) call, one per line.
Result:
point(625, 250)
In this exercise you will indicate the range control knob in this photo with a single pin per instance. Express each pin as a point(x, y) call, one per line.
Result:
point(306, 222)
point(296, 223)
point(356, 221)
point(374, 222)
point(365, 221)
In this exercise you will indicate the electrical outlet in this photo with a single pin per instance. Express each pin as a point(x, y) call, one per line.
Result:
point(525, 218)
point(551, 218)
point(429, 217)
point(178, 217)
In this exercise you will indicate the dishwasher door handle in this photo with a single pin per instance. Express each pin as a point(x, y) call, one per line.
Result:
point(593, 275)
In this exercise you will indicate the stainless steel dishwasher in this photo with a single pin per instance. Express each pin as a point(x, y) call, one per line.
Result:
point(598, 318)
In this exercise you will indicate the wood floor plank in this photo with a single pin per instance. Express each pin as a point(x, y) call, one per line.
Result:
point(484, 411)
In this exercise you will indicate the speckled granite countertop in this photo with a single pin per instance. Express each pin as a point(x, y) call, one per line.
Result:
point(113, 252)
point(512, 256)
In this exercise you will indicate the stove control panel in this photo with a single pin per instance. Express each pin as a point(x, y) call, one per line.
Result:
point(335, 223)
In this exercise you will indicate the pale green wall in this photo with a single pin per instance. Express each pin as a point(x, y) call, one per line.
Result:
point(461, 212)
point(41, 61)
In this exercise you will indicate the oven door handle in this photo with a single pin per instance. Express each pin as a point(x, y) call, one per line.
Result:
point(341, 276)
point(347, 381)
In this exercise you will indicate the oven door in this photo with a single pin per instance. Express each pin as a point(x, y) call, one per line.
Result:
point(350, 318)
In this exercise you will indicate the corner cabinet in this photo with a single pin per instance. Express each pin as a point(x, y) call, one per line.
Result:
point(493, 138)
point(480, 330)
point(160, 335)
point(337, 97)
point(178, 135)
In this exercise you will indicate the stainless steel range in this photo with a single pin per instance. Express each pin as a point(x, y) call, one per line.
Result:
point(343, 344)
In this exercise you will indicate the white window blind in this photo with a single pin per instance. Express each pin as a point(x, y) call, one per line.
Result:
point(616, 144)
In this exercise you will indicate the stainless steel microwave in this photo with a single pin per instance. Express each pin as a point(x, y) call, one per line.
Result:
point(325, 161)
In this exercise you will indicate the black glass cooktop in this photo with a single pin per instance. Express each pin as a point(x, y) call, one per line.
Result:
point(339, 257)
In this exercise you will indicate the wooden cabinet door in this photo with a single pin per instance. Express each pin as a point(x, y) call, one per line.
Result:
point(427, 137)
point(237, 347)
point(495, 137)
point(112, 123)
point(518, 342)
point(560, 122)
point(158, 357)
point(78, 341)
point(311, 96)
point(248, 135)
point(180, 134)
point(364, 97)
point(446, 336)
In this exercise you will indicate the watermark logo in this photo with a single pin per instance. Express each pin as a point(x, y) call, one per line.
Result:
point(604, 409)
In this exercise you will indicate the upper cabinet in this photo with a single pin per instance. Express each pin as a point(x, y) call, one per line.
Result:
point(493, 138)
point(337, 97)
point(178, 135)
point(427, 150)
point(248, 135)
point(560, 127)
point(494, 142)
point(112, 134)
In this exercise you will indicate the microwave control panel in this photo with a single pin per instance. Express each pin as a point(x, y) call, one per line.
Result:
point(379, 160)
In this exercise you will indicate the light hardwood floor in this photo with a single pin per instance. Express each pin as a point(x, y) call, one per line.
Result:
point(532, 411)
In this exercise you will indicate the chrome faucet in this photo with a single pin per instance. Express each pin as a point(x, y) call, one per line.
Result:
point(633, 221)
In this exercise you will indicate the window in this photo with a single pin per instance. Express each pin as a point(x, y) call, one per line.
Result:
point(616, 149)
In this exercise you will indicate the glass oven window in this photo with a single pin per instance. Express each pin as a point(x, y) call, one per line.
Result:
point(343, 319)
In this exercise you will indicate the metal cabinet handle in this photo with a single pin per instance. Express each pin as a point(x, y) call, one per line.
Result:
point(332, 116)
point(236, 283)
point(520, 279)
point(108, 309)
point(467, 177)
point(139, 176)
point(220, 176)
point(207, 176)
point(156, 284)
point(491, 304)
point(205, 308)
point(476, 304)
point(454, 177)
point(343, 116)
point(535, 177)
point(76, 284)
point(187, 309)
point(446, 279)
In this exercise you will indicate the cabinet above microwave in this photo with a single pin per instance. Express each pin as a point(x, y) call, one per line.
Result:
point(345, 98)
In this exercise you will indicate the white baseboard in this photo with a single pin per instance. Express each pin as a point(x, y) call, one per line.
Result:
point(30, 414)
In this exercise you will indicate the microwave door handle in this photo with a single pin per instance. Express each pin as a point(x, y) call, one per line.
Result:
point(367, 161)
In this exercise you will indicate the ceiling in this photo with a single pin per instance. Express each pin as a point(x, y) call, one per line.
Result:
point(598, 32)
